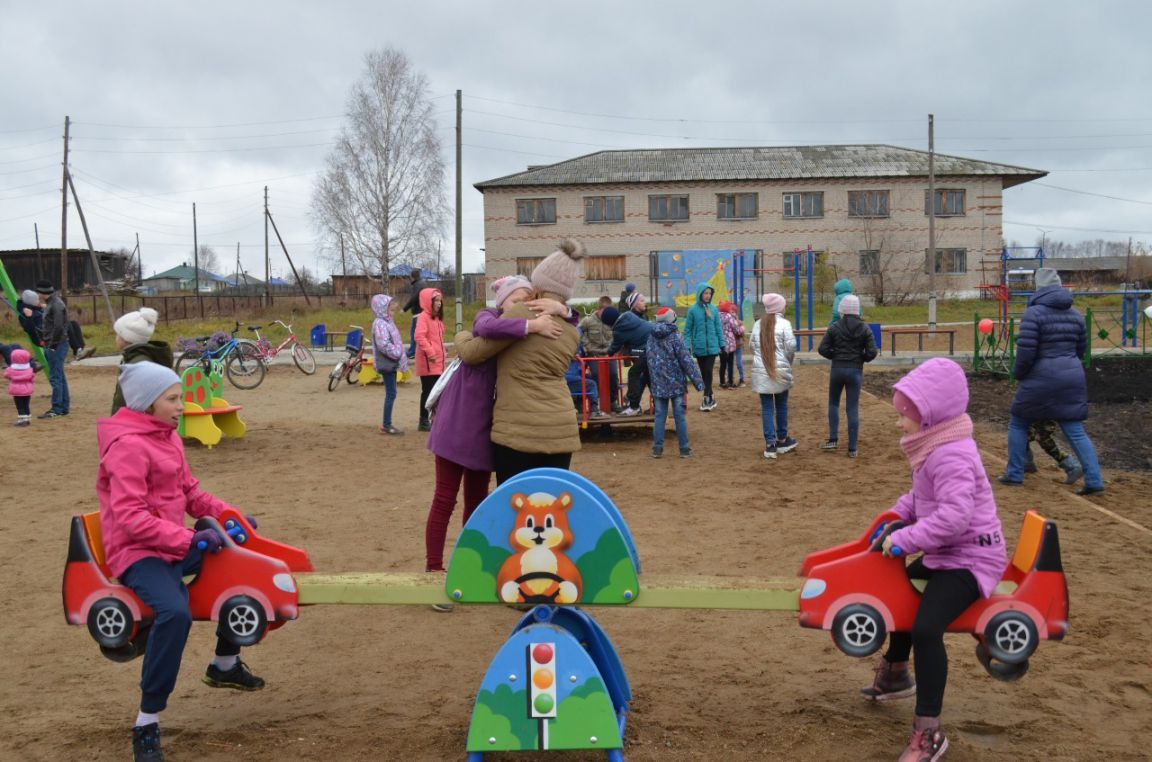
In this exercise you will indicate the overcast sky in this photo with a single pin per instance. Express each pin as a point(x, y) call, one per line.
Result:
point(208, 102)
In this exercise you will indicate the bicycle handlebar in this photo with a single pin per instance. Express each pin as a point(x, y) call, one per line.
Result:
point(286, 327)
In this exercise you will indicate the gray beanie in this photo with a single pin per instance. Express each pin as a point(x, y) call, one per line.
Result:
point(30, 297)
point(1046, 276)
point(557, 273)
point(143, 382)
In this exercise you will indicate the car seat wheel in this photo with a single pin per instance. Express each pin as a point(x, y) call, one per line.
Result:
point(242, 620)
point(858, 630)
point(110, 622)
point(1011, 637)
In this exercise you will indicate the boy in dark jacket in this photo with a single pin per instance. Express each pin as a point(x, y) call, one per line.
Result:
point(54, 339)
point(413, 306)
point(669, 364)
point(630, 333)
point(848, 343)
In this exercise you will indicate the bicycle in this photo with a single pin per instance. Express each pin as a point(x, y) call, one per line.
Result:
point(301, 355)
point(238, 359)
point(349, 368)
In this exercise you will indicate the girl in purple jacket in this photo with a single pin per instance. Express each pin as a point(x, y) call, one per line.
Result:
point(461, 436)
point(950, 516)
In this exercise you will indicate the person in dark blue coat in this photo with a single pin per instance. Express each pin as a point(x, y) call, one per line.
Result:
point(1051, 382)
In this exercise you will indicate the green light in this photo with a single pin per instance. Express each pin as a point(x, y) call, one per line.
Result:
point(543, 703)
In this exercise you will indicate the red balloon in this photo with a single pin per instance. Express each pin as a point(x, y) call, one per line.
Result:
point(986, 325)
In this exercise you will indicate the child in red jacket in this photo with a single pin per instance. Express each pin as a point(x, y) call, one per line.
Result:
point(144, 488)
point(21, 383)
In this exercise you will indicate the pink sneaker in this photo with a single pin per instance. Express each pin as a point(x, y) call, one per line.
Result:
point(927, 743)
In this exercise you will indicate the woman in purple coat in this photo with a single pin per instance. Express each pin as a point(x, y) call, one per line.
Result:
point(461, 437)
point(950, 516)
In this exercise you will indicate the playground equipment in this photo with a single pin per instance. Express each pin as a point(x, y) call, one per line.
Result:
point(248, 587)
point(552, 538)
point(11, 298)
point(795, 272)
point(207, 417)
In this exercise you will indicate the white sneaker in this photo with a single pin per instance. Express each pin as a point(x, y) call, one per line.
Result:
point(630, 411)
point(711, 404)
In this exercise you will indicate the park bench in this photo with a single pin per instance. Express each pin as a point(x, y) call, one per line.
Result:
point(920, 333)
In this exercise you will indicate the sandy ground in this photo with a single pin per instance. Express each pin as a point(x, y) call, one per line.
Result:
point(397, 683)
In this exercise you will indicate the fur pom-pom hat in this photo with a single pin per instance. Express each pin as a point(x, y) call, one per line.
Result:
point(558, 272)
point(137, 327)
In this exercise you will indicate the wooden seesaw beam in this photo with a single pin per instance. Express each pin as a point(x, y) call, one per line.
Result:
point(399, 589)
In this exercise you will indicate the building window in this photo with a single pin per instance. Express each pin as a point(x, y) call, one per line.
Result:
point(737, 206)
point(804, 204)
point(667, 208)
point(870, 262)
point(951, 261)
point(525, 265)
point(535, 211)
point(603, 208)
point(610, 267)
point(949, 203)
point(868, 203)
point(789, 259)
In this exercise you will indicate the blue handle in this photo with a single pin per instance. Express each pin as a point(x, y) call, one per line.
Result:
point(896, 551)
point(233, 530)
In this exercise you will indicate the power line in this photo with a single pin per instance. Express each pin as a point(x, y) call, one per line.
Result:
point(237, 149)
point(207, 126)
point(214, 137)
point(1089, 193)
point(1048, 226)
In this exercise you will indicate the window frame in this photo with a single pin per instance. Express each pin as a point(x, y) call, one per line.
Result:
point(668, 198)
point(594, 266)
point(540, 204)
point(955, 254)
point(869, 255)
point(871, 212)
point(802, 197)
point(785, 261)
point(525, 265)
point(722, 199)
point(604, 220)
point(943, 195)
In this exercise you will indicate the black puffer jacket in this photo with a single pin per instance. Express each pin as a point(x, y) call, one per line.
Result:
point(848, 343)
point(1053, 339)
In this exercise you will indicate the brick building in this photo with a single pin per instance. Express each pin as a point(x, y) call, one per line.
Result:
point(669, 218)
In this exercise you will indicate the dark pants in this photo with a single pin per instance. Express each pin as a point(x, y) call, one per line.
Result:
point(160, 585)
point(948, 594)
point(637, 379)
point(389, 377)
point(23, 405)
point(426, 384)
point(448, 478)
point(706, 362)
point(412, 338)
point(510, 462)
point(727, 368)
point(848, 381)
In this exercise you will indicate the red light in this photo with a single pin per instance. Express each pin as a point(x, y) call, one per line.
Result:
point(542, 653)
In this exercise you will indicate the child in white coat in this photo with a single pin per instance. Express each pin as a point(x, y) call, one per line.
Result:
point(773, 349)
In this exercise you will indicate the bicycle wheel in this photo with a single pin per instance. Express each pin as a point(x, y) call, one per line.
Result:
point(303, 358)
point(186, 360)
point(354, 371)
point(334, 376)
point(244, 367)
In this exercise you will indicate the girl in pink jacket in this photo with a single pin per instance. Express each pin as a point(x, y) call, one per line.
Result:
point(21, 384)
point(429, 347)
point(145, 488)
point(950, 516)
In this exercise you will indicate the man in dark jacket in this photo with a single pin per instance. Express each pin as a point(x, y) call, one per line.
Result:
point(630, 333)
point(54, 336)
point(1051, 382)
point(413, 306)
point(848, 343)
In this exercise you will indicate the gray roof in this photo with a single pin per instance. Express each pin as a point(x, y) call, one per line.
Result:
point(1086, 264)
point(663, 165)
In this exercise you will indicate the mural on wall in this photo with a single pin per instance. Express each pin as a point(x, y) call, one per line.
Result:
point(679, 272)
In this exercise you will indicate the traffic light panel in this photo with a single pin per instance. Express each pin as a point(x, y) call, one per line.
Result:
point(542, 673)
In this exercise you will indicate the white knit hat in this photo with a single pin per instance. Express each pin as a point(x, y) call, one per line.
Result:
point(143, 382)
point(850, 305)
point(30, 297)
point(136, 327)
point(557, 273)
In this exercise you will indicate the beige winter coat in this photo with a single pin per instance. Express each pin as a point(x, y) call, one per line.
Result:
point(534, 411)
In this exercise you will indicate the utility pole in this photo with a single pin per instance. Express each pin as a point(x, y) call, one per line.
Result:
point(343, 266)
point(92, 251)
point(1128, 266)
point(931, 222)
point(236, 277)
point(139, 262)
point(64, 213)
point(39, 261)
point(459, 218)
point(267, 261)
point(196, 261)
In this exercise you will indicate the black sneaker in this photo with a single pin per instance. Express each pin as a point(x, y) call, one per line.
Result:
point(1003, 479)
point(51, 414)
point(146, 743)
point(829, 444)
point(788, 444)
point(424, 426)
point(1086, 490)
point(238, 678)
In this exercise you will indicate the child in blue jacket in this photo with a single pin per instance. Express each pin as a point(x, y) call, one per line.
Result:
point(669, 364)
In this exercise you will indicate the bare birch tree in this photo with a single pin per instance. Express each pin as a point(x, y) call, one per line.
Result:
point(383, 187)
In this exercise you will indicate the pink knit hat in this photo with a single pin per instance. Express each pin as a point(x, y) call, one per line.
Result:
point(904, 406)
point(773, 304)
point(504, 287)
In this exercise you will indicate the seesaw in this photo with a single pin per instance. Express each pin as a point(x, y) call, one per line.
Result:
point(553, 539)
